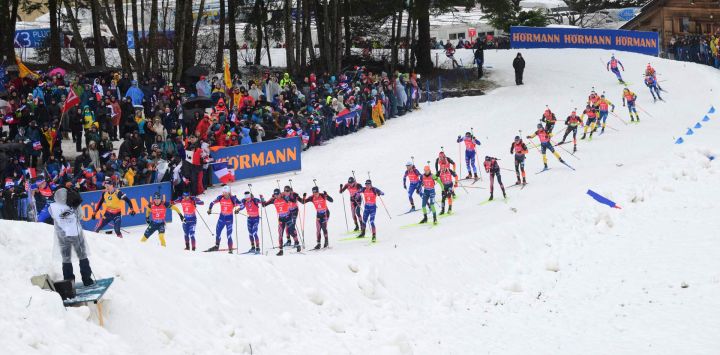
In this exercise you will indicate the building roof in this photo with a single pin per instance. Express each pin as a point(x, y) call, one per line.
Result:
point(645, 11)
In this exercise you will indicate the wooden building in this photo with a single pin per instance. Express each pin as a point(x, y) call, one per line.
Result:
point(677, 18)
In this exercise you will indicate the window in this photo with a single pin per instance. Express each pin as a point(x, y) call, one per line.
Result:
point(461, 35)
point(453, 36)
point(684, 24)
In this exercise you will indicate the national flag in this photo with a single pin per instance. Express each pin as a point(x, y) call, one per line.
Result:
point(9, 183)
point(223, 173)
point(23, 70)
point(71, 100)
point(31, 173)
point(226, 75)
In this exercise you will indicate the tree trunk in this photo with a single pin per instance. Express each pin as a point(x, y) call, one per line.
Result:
point(232, 12)
point(412, 45)
point(197, 27)
point(139, 68)
point(398, 38)
point(151, 55)
point(346, 23)
point(307, 32)
point(190, 47)
point(179, 43)
point(220, 54)
point(289, 38)
point(258, 30)
point(267, 37)
point(54, 39)
point(76, 39)
point(337, 38)
point(299, 40)
point(98, 45)
point(322, 22)
point(422, 47)
point(119, 33)
point(408, 39)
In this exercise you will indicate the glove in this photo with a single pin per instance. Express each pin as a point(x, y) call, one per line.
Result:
point(304, 194)
point(209, 211)
point(404, 186)
point(182, 219)
point(237, 211)
point(528, 137)
point(456, 184)
point(132, 212)
point(147, 220)
point(340, 191)
point(459, 138)
point(325, 193)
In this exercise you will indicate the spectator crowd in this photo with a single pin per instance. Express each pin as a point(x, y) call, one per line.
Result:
point(128, 132)
point(702, 49)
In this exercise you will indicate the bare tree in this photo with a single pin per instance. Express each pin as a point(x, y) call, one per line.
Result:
point(232, 12)
point(76, 39)
point(289, 37)
point(98, 43)
point(221, 39)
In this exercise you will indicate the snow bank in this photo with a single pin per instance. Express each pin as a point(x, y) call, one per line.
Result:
point(550, 271)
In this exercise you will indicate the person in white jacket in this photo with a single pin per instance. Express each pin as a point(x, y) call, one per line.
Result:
point(69, 236)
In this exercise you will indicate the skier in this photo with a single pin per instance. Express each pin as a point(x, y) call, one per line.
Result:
point(320, 200)
point(355, 200)
point(189, 204)
point(112, 198)
point(413, 175)
point(572, 122)
point(613, 65)
point(592, 115)
point(227, 203)
point(593, 100)
point(69, 234)
point(650, 71)
point(293, 199)
point(549, 118)
point(652, 84)
point(282, 206)
point(470, 144)
point(446, 176)
point(603, 106)
point(493, 168)
point(519, 148)
point(155, 218)
point(444, 161)
point(545, 144)
point(630, 97)
point(369, 193)
point(428, 197)
point(252, 206)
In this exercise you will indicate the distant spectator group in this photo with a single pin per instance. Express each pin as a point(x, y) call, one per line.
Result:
point(703, 49)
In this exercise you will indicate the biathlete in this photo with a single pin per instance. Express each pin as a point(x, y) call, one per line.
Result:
point(592, 116)
point(470, 144)
point(370, 194)
point(352, 188)
point(630, 97)
point(652, 84)
point(549, 118)
point(519, 149)
point(443, 161)
point(155, 218)
point(112, 199)
point(412, 174)
point(252, 206)
point(493, 168)
point(603, 105)
point(446, 176)
point(189, 206)
point(428, 196)
point(612, 65)
point(227, 202)
point(282, 206)
point(572, 122)
point(545, 144)
point(294, 210)
point(320, 200)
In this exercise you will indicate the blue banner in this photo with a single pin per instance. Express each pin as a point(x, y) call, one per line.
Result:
point(139, 195)
point(30, 38)
point(260, 159)
point(622, 40)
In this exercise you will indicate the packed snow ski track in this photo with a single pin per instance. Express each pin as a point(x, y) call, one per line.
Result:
point(549, 271)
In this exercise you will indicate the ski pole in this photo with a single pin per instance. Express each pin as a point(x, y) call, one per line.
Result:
point(303, 225)
point(620, 118)
point(347, 226)
point(563, 148)
point(643, 110)
point(386, 210)
point(278, 183)
point(237, 240)
point(460, 158)
point(206, 225)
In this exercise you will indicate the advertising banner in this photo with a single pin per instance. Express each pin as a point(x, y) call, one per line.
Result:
point(550, 37)
point(140, 197)
point(260, 159)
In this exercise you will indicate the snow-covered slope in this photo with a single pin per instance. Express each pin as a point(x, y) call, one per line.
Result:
point(550, 272)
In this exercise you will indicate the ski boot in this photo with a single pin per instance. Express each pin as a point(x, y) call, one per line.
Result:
point(518, 182)
point(230, 251)
point(602, 130)
point(252, 250)
point(327, 243)
point(357, 228)
point(583, 136)
point(424, 219)
point(317, 246)
point(86, 273)
point(524, 181)
point(442, 210)
point(546, 167)
point(412, 208)
point(434, 218)
point(187, 246)
point(297, 246)
point(288, 243)
point(475, 176)
point(575, 148)
point(561, 142)
point(214, 248)
point(280, 253)
point(491, 197)
point(504, 194)
point(373, 238)
point(449, 209)
point(562, 161)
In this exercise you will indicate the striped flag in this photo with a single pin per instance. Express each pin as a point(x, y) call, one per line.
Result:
point(223, 173)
